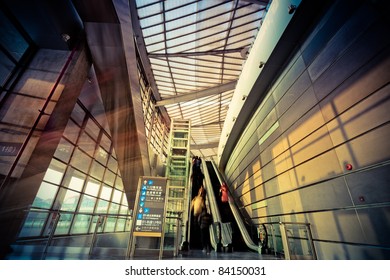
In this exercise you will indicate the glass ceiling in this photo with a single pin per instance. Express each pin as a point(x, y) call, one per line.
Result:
point(196, 51)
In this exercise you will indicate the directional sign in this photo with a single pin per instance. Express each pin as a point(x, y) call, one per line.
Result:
point(149, 207)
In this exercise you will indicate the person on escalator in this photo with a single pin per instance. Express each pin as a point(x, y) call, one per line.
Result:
point(205, 220)
point(223, 193)
point(198, 203)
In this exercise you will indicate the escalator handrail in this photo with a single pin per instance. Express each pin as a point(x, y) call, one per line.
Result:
point(241, 225)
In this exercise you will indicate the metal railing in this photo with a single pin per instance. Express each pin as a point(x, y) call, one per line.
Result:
point(48, 231)
point(292, 239)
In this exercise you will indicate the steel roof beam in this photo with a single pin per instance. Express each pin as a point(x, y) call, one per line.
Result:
point(198, 94)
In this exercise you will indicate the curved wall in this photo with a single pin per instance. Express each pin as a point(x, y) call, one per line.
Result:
point(328, 108)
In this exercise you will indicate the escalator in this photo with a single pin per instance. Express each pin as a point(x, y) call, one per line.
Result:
point(226, 214)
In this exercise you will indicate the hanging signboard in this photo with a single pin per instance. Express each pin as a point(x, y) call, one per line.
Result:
point(150, 206)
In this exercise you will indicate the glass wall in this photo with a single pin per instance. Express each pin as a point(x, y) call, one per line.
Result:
point(13, 46)
point(83, 187)
point(156, 129)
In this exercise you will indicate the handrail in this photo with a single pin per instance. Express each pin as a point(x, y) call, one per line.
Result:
point(241, 225)
point(284, 237)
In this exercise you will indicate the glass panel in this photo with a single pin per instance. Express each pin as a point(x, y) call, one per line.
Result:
point(102, 206)
point(6, 67)
point(106, 193)
point(120, 224)
point(101, 156)
point(81, 161)
point(45, 195)
point(105, 142)
point(92, 187)
point(81, 223)
point(117, 196)
point(64, 150)
point(124, 210)
point(119, 183)
point(114, 208)
point(92, 129)
point(64, 224)
point(97, 170)
point(87, 204)
point(110, 224)
point(74, 179)
point(55, 172)
point(78, 114)
point(112, 164)
point(109, 178)
point(34, 224)
point(87, 144)
point(71, 131)
point(70, 201)
point(11, 39)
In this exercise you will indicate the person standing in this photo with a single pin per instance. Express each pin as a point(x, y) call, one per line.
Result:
point(205, 220)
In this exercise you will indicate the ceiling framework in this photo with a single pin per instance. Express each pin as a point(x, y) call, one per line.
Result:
point(193, 52)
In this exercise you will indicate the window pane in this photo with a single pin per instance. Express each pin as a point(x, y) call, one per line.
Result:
point(105, 142)
point(114, 208)
point(101, 156)
point(109, 178)
point(64, 224)
point(110, 224)
point(81, 161)
point(106, 193)
point(117, 196)
point(55, 172)
point(97, 170)
point(70, 201)
point(92, 129)
point(78, 114)
point(102, 206)
point(71, 131)
point(74, 179)
point(45, 195)
point(81, 223)
point(93, 187)
point(64, 150)
point(87, 144)
point(87, 204)
point(33, 225)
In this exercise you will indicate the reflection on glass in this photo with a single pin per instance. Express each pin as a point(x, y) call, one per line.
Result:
point(102, 206)
point(70, 201)
point(106, 192)
point(64, 150)
point(71, 131)
point(114, 208)
point(117, 196)
point(74, 179)
point(97, 170)
point(120, 224)
point(45, 196)
point(34, 224)
point(110, 224)
point(87, 204)
point(92, 187)
point(81, 161)
point(63, 224)
point(87, 144)
point(81, 223)
point(101, 155)
point(55, 172)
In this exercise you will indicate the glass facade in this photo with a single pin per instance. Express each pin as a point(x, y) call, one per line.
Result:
point(82, 183)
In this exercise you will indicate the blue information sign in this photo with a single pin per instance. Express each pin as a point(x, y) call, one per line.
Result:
point(150, 206)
